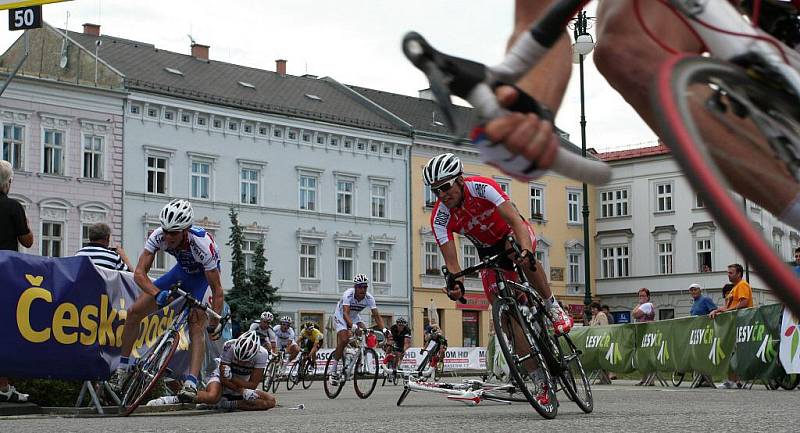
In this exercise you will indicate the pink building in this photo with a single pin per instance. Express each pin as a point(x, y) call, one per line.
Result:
point(62, 132)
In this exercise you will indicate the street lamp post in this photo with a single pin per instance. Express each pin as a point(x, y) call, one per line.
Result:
point(584, 45)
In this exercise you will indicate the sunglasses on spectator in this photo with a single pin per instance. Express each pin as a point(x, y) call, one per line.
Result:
point(444, 187)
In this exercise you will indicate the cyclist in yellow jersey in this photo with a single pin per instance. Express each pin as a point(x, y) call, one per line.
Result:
point(311, 339)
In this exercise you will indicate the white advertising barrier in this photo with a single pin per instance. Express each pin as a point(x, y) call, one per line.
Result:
point(456, 358)
point(790, 343)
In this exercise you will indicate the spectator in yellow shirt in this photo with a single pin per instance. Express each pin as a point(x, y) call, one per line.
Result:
point(741, 296)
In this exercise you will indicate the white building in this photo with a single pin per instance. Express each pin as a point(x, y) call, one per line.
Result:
point(654, 231)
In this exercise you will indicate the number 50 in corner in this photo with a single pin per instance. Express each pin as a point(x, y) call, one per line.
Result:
point(25, 18)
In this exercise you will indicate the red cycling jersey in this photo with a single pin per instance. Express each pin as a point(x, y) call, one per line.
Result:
point(476, 218)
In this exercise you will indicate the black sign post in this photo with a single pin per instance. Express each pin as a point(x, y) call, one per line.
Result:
point(25, 18)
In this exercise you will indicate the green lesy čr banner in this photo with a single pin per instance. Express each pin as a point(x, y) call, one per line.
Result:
point(745, 340)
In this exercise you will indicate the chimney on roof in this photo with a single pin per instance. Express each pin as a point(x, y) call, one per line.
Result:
point(280, 67)
point(200, 51)
point(91, 29)
point(426, 94)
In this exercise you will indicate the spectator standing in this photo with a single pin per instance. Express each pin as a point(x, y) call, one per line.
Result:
point(645, 311)
point(740, 296)
point(797, 261)
point(599, 318)
point(606, 309)
point(99, 251)
point(14, 230)
point(703, 305)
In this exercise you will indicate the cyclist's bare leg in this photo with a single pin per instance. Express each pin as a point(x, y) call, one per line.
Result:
point(142, 306)
point(341, 341)
point(197, 344)
point(263, 402)
point(211, 395)
point(293, 350)
point(547, 82)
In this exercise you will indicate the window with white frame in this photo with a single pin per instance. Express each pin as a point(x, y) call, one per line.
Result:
point(135, 109)
point(93, 156)
point(277, 132)
point(334, 141)
point(160, 259)
point(665, 259)
point(233, 126)
point(432, 262)
point(249, 180)
point(248, 251)
point(292, 135)
point(614, 203)
point(186, 118)
point(380, 266)
point(704, 251)
point(614, 261)
point(262, 130)
point(504, 186)
point(217, 124)
point(379, 199)
point(699, 203)
point(169, 115)
point(541, 258)
point(777, 242)
point(430, 197)
point(664, 197)
point(157, 174)
point(320, 139)
point(306, 137)
point(344, 196)
point(345, 263)
point(247, 128)
point(52, 239)
point(152, 112)
point(537, 202)
point(53, 152)
point(201, 121)
point(308, 192)
point(574, 262)
point(573, 207)
point(85, 234)
point(308, 261)
point(469, 256)
point(201, 179)
point(13, 144)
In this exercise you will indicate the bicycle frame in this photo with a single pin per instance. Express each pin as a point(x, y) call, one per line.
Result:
point(470, 392)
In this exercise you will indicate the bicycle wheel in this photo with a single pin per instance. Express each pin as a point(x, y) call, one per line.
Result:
point(729, 131)
point(332, 391)
point(366, 373)
point(147, 372)
point(573, 376)
point(269, 375)
point(276, 375)
point(677, 378)
point(293, 377)
point(515, 335)
point(309, 372)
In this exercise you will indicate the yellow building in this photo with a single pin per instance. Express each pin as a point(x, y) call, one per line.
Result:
point(546, 203)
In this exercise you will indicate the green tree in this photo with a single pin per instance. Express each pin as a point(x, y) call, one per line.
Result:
point(251, 293)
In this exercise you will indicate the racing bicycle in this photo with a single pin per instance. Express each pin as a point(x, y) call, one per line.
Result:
point(152, 365)
point(273, 371)
point(360, 363)
point(303, 371)
point(428, 368)
point(731, 118)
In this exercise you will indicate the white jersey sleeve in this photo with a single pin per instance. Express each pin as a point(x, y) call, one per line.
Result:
point(204, 250)
point(155, 241)
point(487, 191)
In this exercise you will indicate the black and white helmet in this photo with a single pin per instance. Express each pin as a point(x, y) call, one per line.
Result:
point(360, 279)
point(246, 346)
point(444, 166)
point(176, 215)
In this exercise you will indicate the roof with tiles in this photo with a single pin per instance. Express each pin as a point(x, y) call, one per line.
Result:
point(619, 155)
point(146, 69)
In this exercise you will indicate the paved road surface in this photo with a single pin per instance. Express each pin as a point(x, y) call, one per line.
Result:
point(618, 407)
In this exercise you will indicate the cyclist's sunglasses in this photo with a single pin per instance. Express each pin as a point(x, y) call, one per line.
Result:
point(361, 286)
point(444, 187)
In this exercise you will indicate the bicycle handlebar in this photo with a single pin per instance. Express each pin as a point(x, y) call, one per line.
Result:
point(476, 82)
point(176, 289)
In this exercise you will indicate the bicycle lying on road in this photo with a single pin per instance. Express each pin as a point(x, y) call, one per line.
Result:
point(151, 366)
point(470, 392)
point(359, 363)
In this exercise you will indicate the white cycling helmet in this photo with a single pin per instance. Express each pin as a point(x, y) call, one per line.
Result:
point(246, 346)
point(266, 317)
point(441, 167)
point(360, 279)
point(176, 215)
point(287, 320)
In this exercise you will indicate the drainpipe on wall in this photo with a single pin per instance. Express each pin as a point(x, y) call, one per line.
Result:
point(409, 256)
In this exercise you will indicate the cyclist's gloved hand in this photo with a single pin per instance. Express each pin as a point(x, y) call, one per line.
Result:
point(385, 331)
point(249, 394)
point(225, 370)
point(162, 298)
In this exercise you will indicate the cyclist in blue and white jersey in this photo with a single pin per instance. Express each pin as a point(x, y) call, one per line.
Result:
point(287, 339)
point(263, 328)
point(348, 319)
point(197, 268)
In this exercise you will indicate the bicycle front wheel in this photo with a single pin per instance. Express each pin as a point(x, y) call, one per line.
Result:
point(366, 373)
point(573, 376)
point(294, 376)
point(332, 391)
point(309, 372)
point(147, 372)
point(523, 357)
point(677, 378)
point(731, 132)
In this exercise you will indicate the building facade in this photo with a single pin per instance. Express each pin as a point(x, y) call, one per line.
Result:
point(654, 231)
point(62, 132)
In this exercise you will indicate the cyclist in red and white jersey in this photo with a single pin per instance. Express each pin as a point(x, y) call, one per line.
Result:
point(197, 268)
point(477, 208)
